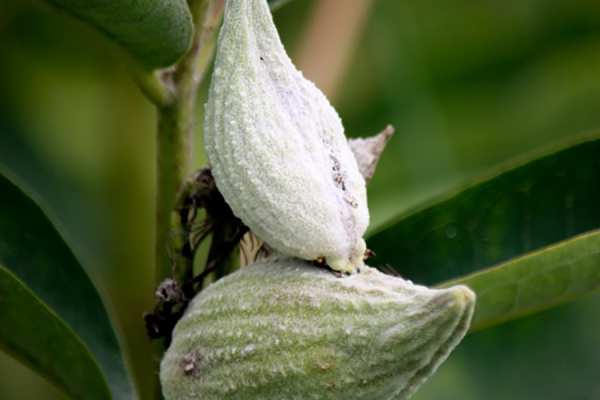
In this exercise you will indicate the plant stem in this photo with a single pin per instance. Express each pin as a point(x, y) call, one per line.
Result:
point(174, 93)
point(176, 125)
point(153, 87)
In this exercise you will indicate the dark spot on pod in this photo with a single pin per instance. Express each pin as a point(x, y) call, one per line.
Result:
point(191, 364)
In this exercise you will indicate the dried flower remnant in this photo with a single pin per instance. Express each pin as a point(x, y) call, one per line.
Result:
point(283, 329)
point(277, 147)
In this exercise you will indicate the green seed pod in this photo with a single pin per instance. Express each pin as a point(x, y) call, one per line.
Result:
point(285, 329)
point(277, 148)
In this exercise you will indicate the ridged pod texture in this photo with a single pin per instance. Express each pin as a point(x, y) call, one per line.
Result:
point(284, 329)
point(277, 147)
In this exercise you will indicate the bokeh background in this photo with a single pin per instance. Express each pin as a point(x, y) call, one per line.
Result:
point(468, 84)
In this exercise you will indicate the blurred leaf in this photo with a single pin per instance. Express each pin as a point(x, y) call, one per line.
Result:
point(32, 249)
point(34, 334)
point(524, 206)
point(275, 4)
point(80, 218)
point(536, 281)
point(157, 32)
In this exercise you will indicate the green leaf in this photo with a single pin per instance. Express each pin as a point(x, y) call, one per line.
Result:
point(524, 206)
point(32, 250)
point(36, 335)
point(79, 217)
point(156, 32)
point(536, 281)
point(276, 4)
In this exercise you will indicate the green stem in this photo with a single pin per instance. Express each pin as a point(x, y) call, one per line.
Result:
point(176, 125)
point(173, 163)
point(174, 93)
point(153, 87)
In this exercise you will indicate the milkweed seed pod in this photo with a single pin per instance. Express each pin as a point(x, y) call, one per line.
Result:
point(277, 147)
point(284, 329)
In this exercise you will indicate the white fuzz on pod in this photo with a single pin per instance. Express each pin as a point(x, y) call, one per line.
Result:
point(277, 148)
point(284, 329)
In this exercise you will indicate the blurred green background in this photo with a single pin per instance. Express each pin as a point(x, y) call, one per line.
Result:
point(467, 83)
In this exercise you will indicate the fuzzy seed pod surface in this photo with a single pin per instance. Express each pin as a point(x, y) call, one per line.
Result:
point(277, 147)
point(285, 329)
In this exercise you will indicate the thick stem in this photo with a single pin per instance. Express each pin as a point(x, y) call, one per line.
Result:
point(173, 163)
point(174, 92)
point(176, 125)
point(153, 87)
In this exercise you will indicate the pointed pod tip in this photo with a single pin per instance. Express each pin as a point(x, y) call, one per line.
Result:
point(464, 296)
point(460, 298)
point(463, 301)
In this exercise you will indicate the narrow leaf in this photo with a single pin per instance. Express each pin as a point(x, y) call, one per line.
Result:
point(31, 332)
point(32, 249)
point(536, 281)
point(518, 210)
point(157, 32)
point(80, 218)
